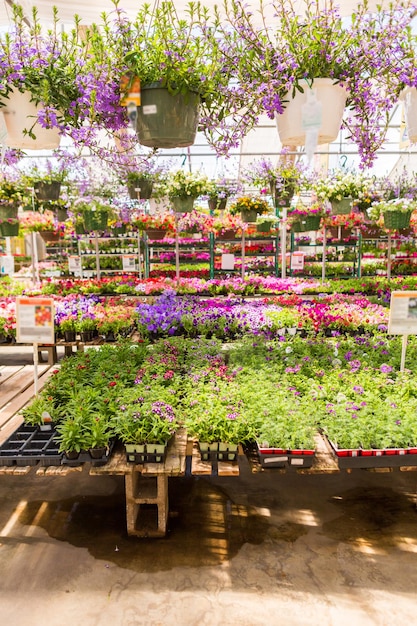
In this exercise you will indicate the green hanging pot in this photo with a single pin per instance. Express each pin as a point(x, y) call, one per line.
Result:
point(47, 191)
point(342, 207)
point(95, 220)
point(9, 229)
point(263, 227)
point(165, 120)
point(141, 189)
point(61, 215)
point(248, 216)
point(308, 222)
point(183, 204)
point(8, 211)
point(395, 220)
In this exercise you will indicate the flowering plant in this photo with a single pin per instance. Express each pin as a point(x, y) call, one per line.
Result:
point(315, 208)
point(184, 55)
point(341, 185)
point(403, 205)
point(249, 203)
point(194, 222)
point(32, 221)
point(13, 192)
point(182, 184)
point(297, 46)
point(146, 415)
point(162, 221)
point(281, 178)
point(223, 188)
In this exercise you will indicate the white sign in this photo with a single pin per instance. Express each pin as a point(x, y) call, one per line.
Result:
point(129, 262)
point(228, 262)
point(403, 313)
point(7, 264)
point(297, 261)
point(35, 320)
point(74, 264)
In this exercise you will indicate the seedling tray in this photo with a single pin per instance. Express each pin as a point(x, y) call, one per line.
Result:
point(29, 445)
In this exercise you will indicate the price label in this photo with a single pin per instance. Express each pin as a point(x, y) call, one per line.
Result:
point(35, 320)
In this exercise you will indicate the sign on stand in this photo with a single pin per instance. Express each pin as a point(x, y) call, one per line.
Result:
point(297, 261)
point(228, 261)
point(403, 318)
point(7, 265)
point(129, 262)
point(74, 264)
point(35, 324)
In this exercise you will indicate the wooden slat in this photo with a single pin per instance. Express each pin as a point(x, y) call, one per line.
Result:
point(324, 460)
point(7, 371)
point(57, 470)
point(17, 383)
point(15, 470)
point(8, 411)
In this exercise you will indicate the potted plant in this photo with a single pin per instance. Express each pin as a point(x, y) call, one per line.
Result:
point(340, 189)
point(264, 223)
point(145, 423)
point(282, 181)
point(250, 207)
point(184, 79)
point(182, 188)
point(219, 191)
point(95, 214)
point(9, 227)
point(46, 180)
point(311, 54)
point(396, 213)
point(306, 217)
point(12, 195)
point(72, 436)
point(98, 434)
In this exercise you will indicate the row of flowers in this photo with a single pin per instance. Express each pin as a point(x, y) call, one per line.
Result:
point(169, 315)
point(262, 391)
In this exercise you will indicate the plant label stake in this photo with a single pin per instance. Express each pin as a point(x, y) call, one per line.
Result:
point(311, 121)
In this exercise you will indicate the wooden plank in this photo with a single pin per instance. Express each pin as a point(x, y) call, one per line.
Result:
point(57, 470)
point(15, 384)
point(22, 398)
point(7, 371)
point(15, 470)
point(324, 460)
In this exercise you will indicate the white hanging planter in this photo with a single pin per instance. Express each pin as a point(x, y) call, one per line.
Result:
point(409, 97)
point(332, 98)
point(19, 115)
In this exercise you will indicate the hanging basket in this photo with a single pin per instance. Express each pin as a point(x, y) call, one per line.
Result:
point(342, 207)
point(306, 223)
point(165, 120)
point(397, 219)
point(263, 227)
point(248, 216)
point(79, 228)
point(95, 220)
point(61, 215)
point(332, 99)
point(217, 203)
point(409, 97)
point(47, 191)
point(8, 211)
point(141, 189)
point(118, 230)
point(49, 236)
point(20, 115)
point(155, 234)
point(8, 229)
point(183, 204)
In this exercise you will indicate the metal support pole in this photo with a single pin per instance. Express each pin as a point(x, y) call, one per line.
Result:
point(243, 254)
point(97, 256)
point(177, 250)
point(389, 256)
point(323, 266)
point(284, 242)
point(403, 351)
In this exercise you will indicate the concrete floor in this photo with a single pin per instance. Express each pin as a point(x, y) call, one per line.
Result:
point(263, 549)
point(255, 550)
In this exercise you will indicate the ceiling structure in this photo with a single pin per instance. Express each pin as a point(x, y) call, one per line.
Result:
point(262, 141)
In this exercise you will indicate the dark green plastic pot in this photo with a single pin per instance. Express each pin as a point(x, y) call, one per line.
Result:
point(164, 120)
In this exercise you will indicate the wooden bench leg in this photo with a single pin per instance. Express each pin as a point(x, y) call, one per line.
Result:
point(146, 504)
point(52, 354)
